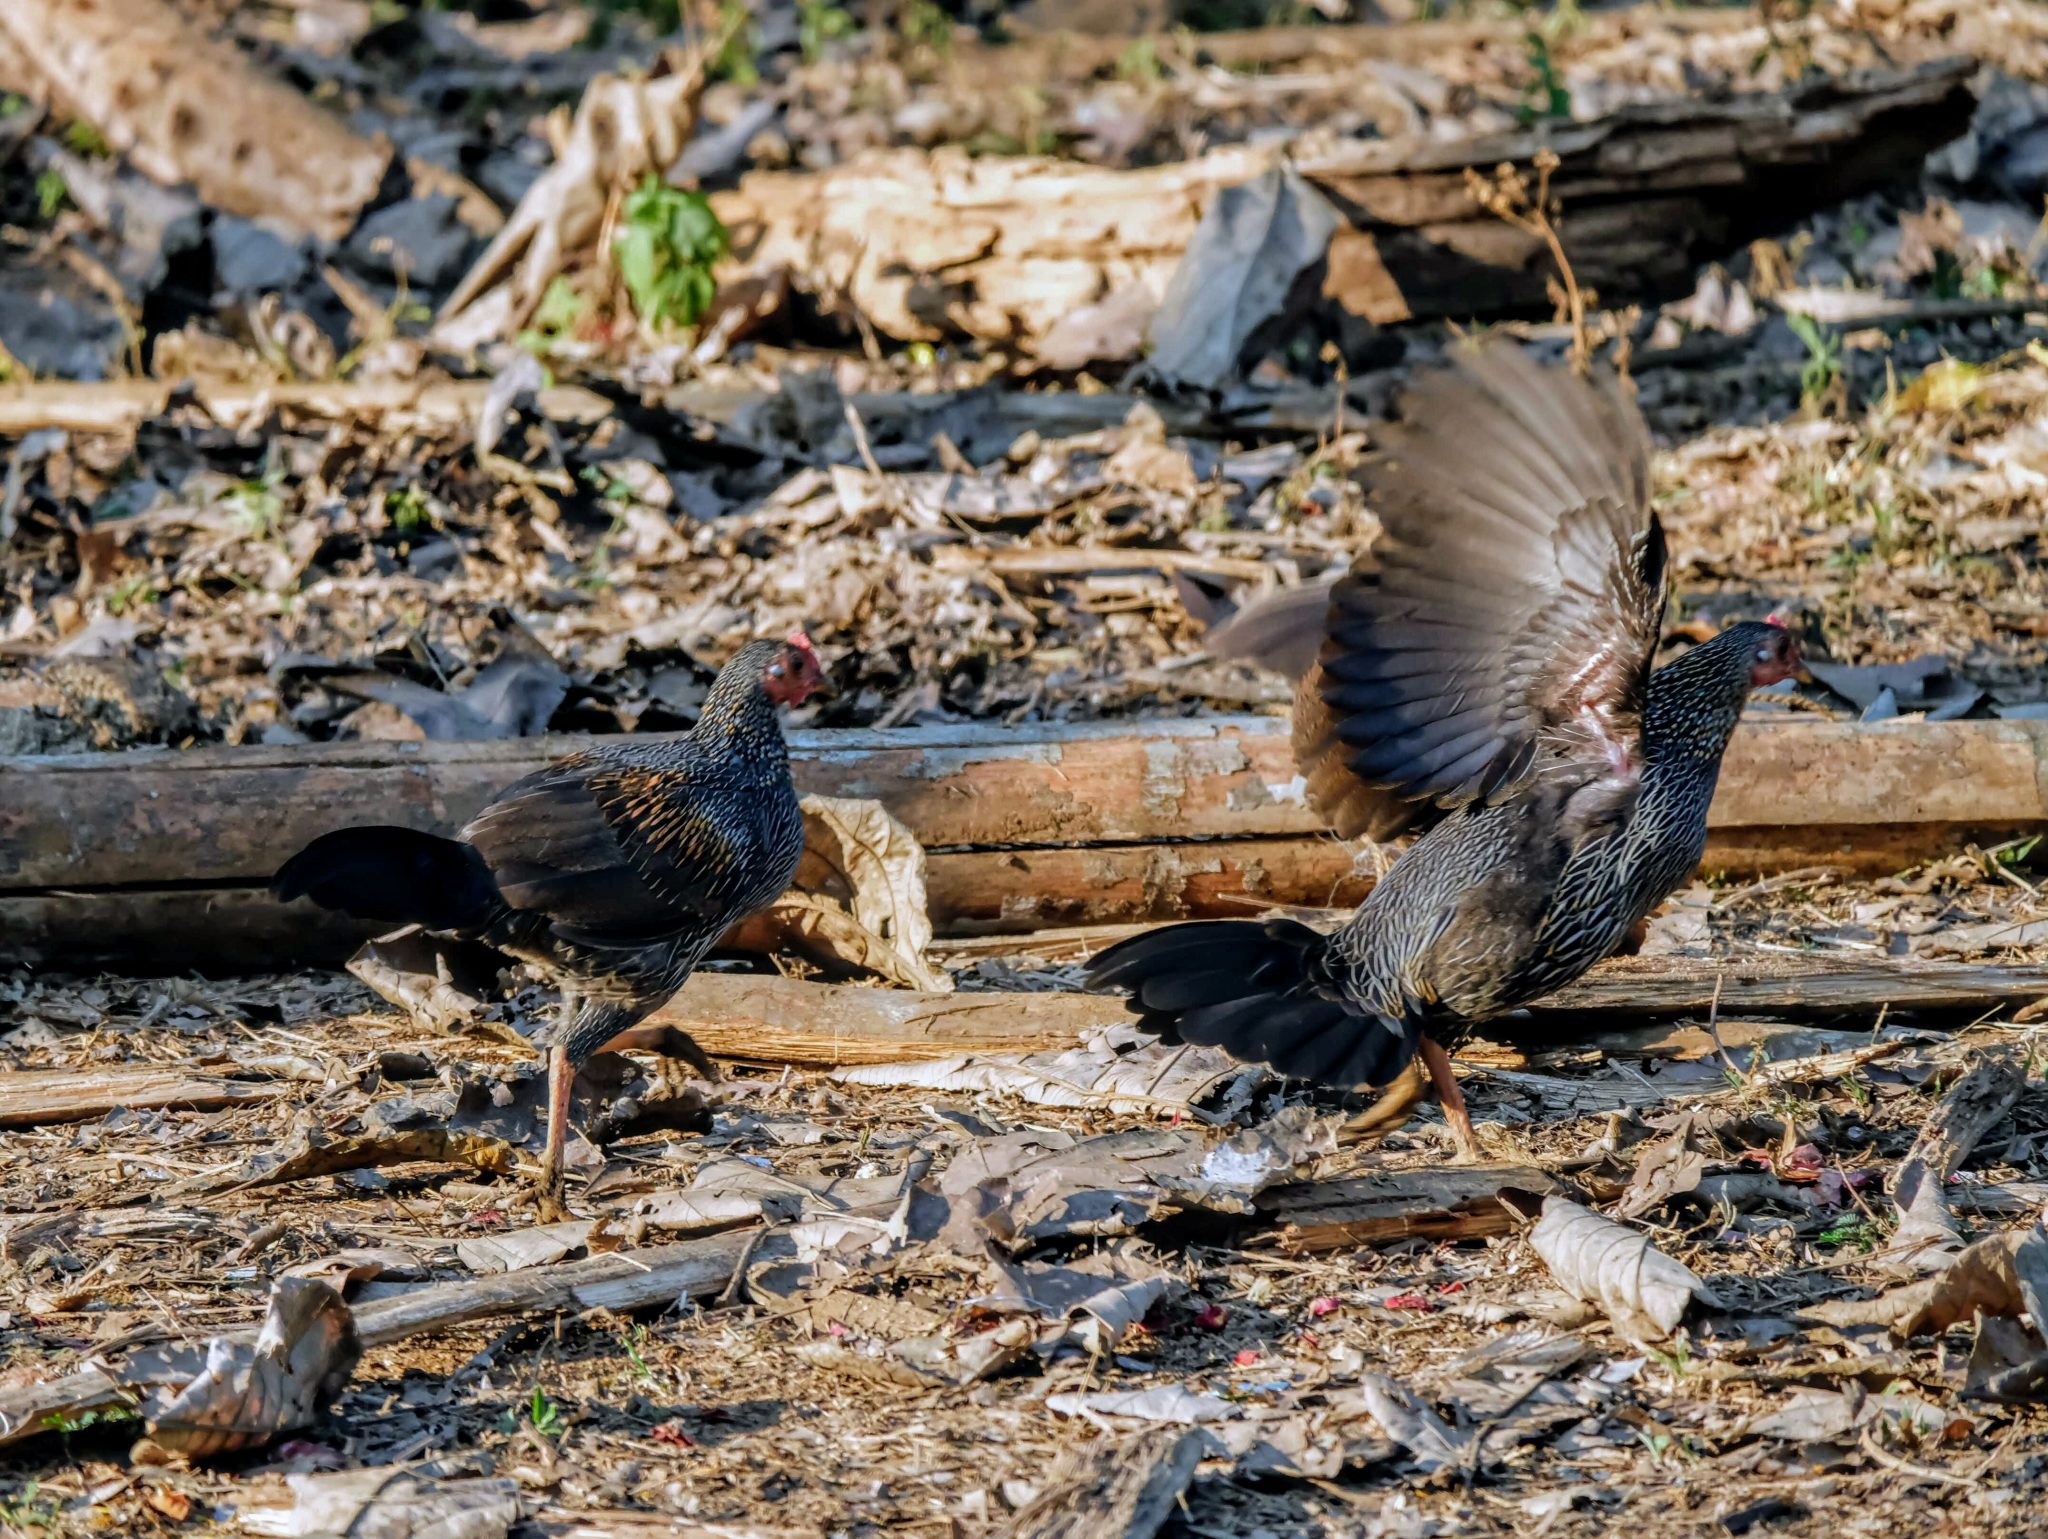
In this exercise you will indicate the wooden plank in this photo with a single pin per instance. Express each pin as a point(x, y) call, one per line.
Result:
point(774, 1020)
point(37, 1097)
point(768, 1019)
point(161, 816)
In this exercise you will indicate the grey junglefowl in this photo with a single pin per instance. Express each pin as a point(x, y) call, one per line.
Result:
point(613, 870)
point(1483, 679)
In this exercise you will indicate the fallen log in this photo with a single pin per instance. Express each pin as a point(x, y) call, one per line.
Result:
point(936, 246)
point(162, 855)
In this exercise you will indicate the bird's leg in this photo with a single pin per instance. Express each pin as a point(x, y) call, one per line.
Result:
point(561, 1077)
point(1463, 1136)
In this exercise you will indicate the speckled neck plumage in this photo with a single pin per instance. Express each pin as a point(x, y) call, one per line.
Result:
point(738, 716)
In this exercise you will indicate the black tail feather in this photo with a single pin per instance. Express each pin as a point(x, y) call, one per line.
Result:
point(393, 876)
point(1260, 991)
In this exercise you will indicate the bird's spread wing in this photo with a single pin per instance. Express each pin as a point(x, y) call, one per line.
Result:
point(1508, 613)
point(613, 855)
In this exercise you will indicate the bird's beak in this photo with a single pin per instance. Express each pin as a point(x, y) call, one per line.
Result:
point(824, 689)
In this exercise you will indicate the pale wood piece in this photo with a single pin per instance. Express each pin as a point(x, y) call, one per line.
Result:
point(184, 106)
point(40, 1097)
point(1446, 1202)
point(1926, 1236)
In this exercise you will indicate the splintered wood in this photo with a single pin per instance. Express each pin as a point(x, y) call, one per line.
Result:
point(931, 246)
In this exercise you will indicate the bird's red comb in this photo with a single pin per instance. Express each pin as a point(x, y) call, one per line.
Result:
point(801, 642)
point(1774, 618)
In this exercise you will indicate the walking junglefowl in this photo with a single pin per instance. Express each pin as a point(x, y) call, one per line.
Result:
point(1483, 679)
point(613, 870)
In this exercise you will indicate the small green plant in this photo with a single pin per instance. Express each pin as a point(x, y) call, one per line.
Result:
point(738, 44)
point(634, 1341)
point(83, 139)
point(926, 26)
point(1677, 1362)
point(1139, 62)
point(1545, 95)
point(667, 244)
point(407, 508)
point(2018, 852)
point(1666, 1449)
point(65, 1423)
point(137, 592)
point(539, 1413)
point(610, 488)
point(11, 103)
point(52, 192)
point(30, 1509)
point(257, 505)
point(820, 24)
point(559, 317)
point(1852, 1229)
point(1821, 374)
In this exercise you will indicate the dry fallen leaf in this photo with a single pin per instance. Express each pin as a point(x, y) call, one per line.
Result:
point(2002, 1275)
point(1431, 1441)
point(345, 1269)
point(249, 1393)
point(1154, 1078)
point(859, 896)
point(1642, 1290)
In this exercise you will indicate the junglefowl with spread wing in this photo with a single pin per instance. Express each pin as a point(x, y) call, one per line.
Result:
point(1484, 680)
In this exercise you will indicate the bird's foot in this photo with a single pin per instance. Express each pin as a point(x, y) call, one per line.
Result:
point(1465, 1146)
point(1464, 1137)
point(667, 1042)
point(1390, 1111)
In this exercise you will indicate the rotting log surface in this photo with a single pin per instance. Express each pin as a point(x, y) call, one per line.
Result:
point(161, 856)
point(930, 246)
